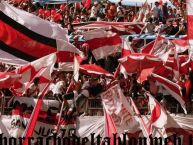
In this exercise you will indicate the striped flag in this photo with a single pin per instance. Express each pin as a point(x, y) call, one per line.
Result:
point(25, 37)
point(94, 70)
point(121, 28)
point(103, 43)
point(173, 88)
point(137, 62)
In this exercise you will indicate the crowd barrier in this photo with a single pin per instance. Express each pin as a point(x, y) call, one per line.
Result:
point(93, 107)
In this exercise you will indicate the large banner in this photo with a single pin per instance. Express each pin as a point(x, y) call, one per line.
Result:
point(86, 127)
point(119, 109)
point(179, 128)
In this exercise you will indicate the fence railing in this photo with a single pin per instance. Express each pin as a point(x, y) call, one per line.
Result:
point(93, 107)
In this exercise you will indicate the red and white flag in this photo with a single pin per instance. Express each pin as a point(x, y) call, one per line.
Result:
point(172, 88)
point(8, 79)
point(147, 48)
point(93, 69)
point(65, 55)
point(121, 28)
point(118, 111)
point(158, 117)
point(36, 37)
point(145, 9)
point(33, 119)
point(159, 47)
point(143, 126)
point(181, 45)
point(137, 62)
point(189, 5)
point(41, 68)
point(110, 127)
point(103, 43)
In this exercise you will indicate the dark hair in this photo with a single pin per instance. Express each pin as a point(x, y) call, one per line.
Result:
point(150, 20)
point(56, 65)
point(36, 80)
point(130, 38)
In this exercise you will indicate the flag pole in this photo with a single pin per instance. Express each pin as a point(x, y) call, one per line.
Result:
point(60, 115)
point(141, 121)
point(33, 119)
point(64, 101)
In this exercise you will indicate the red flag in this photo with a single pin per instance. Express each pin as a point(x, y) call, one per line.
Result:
point(173, 88)
point(137, 62)
point(86, 3)
point(94, 70)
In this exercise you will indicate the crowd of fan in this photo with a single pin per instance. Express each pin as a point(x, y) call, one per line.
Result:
point(168, 20)
point(159, 17)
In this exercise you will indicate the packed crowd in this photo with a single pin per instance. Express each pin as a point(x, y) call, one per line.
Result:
point(160, 18)
point(165, 20)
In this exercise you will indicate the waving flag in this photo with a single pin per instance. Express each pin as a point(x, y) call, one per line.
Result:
point(121, 28)
point(137, 62)
point(148, 47)
point(173, 88)
point(41, 68)
point(33, 119)
point(102, 43)
point(8, 79)
point(65, 55)
point(93, 69)
point(158, 117)
point(25, 37)
point(159, 47)
point(118, 112)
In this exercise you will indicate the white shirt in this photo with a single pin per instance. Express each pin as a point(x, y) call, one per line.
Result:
point(156, 12)
point(93, 12)
point(57, 88)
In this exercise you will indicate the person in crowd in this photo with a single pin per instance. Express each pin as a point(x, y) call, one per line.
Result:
point(60, 86)
point(165, 20)
point(157, 13)
point(94, 12)
point(149, 27)
point(33, 90)
point(189, 91)
point(165, 11)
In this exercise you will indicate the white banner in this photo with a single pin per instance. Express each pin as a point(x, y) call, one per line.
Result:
point(118, 107)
